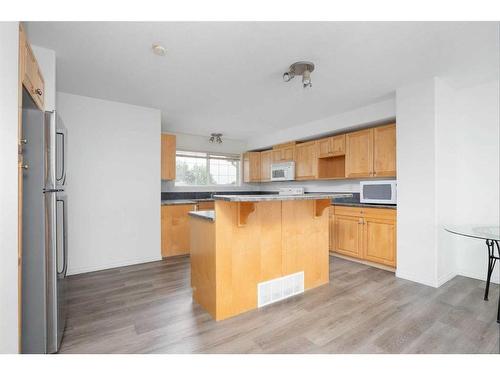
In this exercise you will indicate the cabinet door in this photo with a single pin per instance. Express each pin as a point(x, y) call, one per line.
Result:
point(338, 145)
point(384, 151)
point(306, 161)
point(175, 236)
point(359, 153)
point(283, 154)
point(251, 167)
point(168, 146)
point(325, 147)
point(288, 153)
point(32, 77)
point(379, 241)
point(348, 235)
point(331, 229)
point(265, 165)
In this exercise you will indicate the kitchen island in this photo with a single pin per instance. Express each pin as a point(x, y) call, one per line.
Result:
point(253, 250)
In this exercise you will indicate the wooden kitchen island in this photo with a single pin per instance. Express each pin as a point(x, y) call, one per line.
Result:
point(253, 242)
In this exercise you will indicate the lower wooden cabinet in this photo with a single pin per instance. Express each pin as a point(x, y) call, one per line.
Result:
point(380, 241)
point(175, 238)
point(331, 229)
point(364, 233)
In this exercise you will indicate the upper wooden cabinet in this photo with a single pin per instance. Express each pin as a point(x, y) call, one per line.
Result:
point(306, 160)
point(168, 148)
point(331, 146)
point(359, 154)
point(266, 159)
point(32, 77)
point(365, 153)
point(251, 167)
point(283, 154)
point(384, 151)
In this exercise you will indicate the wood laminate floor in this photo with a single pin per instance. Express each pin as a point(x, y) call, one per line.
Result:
point(148, 308)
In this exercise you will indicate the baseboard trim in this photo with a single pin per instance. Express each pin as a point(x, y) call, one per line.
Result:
point(416, 279)
point(444, 279)
point(102, 267)
point(365, 262)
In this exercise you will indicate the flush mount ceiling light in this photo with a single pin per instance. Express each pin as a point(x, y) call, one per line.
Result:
point(159, 50)
point(215, 138)
point(300, 68)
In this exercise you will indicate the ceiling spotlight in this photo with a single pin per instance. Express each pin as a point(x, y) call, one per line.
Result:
point(301, 68)
point(159, 50)
point(215, 138)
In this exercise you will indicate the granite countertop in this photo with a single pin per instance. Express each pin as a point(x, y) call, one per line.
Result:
point(206, 214)
point(371, 205)
point(170, 202)
point(277, 197)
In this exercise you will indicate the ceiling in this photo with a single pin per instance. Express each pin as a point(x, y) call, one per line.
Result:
point(226, 76)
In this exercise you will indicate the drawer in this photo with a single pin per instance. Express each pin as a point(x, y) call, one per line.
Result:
point(378, 213)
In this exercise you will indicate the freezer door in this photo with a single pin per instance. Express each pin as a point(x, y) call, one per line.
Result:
point(50, 150)
point(61, 153)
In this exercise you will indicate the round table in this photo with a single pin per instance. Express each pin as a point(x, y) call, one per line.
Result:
point(492, 236)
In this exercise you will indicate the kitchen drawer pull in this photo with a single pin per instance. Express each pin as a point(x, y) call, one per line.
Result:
point(39, 92)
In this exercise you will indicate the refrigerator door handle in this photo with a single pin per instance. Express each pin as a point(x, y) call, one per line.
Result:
point(62, 178)
point(65, 236)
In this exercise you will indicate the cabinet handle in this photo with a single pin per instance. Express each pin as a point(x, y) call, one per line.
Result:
point(39, 92)
point(24, 166)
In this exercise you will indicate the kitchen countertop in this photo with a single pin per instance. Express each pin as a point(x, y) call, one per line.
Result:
point(277, 197)
point(205, 214)
point(371, 205)
point(171, 202)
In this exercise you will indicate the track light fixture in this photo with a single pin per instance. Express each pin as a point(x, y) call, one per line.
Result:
point(300, 68)
point(215, 138)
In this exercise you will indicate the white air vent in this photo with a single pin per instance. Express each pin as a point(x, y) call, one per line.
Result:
point(277, 289)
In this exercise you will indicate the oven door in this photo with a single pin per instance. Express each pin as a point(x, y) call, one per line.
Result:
point(378, 192)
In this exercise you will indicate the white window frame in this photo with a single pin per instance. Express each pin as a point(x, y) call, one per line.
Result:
point(211, 155)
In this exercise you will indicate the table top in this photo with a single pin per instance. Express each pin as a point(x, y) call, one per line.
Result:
point(483, 232)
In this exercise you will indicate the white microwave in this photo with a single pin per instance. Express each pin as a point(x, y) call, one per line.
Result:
point(378, 191)
point(283, 171)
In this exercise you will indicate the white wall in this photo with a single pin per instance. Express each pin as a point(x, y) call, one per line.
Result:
point(190, 142)
point(446, 148)
point(113, 182)
point(448, 174)
point(46, 59)
point(9, 55)
point(416, 232)
point(477, 180)
point(376, 113)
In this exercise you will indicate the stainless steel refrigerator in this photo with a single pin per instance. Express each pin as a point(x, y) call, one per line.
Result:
point(45, 229)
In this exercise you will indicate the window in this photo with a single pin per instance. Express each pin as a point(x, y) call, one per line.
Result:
point(202, 168)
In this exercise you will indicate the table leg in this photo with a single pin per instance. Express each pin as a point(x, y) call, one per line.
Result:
point(491, 265)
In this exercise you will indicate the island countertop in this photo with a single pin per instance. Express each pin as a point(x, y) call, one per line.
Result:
point(278, 197)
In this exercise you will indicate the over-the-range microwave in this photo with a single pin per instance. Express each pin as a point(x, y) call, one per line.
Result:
point(283, 171)
point(378, 191)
